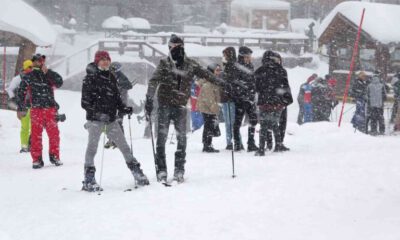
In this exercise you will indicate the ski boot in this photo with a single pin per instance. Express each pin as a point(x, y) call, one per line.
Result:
point(210, 149)
point(38, 163)
point(54, 160)
point(90, 184)
point(137, 173)
point(229, 146)
point(178, 175)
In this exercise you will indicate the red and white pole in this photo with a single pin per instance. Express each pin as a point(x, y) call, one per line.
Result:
point(4, 77)
point(355, 51)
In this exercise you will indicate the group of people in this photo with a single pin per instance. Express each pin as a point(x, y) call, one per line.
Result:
point(317, 99)
point(234, 84)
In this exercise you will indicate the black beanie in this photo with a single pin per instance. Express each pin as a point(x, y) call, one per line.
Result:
point(212, 67)
point(245, 51)
point(175, 39)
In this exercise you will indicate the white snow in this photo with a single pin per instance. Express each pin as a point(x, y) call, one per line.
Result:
point(380, 21)
point(20, 18)
point(115, 22)
point(261, 4)
point(333, 184)
point(300, 25)
point(138, 23)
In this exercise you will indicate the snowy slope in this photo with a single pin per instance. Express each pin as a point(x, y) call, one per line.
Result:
point(334, 184)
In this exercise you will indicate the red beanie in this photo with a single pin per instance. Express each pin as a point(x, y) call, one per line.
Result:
point(101, 54)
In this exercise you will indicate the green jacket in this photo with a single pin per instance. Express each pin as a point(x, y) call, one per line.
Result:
point(173, 84)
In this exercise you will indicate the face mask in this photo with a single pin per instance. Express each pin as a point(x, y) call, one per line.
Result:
point(178, 53)
point(104, 69)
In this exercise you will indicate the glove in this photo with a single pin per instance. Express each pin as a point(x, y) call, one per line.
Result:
point(127, 110)
point(21, 114)
point(148, 106)
point(102, 117)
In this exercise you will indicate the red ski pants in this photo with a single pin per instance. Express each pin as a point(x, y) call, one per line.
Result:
point(44, 118)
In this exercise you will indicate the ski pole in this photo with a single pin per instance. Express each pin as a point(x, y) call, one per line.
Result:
point(102, 156)
point(130, 132)
point(233, 149)
point(152, 144)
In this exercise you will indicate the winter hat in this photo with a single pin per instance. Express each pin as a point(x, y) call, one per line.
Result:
point(362, 74)
point(100, 55)
point(312, 78)
point(243, 51)
point(212, 67)
point(174, 40)
point(230, 53)
point(37, 57)
point(270, 55)
point(27, 64)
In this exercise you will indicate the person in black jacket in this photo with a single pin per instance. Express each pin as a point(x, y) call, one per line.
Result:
point(244, 96)
point(101, 100)
point(274, 95)
point(359, 93)
point(39, 84)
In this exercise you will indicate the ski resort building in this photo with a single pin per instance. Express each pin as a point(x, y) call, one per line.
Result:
point(379, 47)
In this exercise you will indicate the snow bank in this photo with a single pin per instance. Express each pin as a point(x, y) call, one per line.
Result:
point(138, 23)
point(18, 17)
point(261, 4)
point(115, 22)
point(380, 21)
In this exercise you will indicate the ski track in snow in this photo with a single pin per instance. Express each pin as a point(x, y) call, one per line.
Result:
point(333, 184)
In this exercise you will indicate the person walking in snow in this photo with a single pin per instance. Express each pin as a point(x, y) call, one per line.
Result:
point(376, 97)
point(12, 91)
point(273, 96)
point(39, 84)
point(305, 101)
point(244, 97)
point(124, 85)
point(172, 80)
point(359, 93)
point(207, 104)
point(101, 100)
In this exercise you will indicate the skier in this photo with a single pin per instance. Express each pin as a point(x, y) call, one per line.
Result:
point(39, 84)
point(230, 75)
point(305, 101)
point(101, 100)
point(244, 97)
point(173, 78)
point(359, 93)
point(12, 90)
point(207, 104)
point(124, 85)
point(274, 95)
point(376, 97)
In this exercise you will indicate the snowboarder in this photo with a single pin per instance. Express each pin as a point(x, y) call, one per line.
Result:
point(12, 91)
point(207, 104)
point(39, 84)
point(101, 100)
point(274, 95)
point(244, 97)
point(173, 78)
point(359, 93)
point(376, 97)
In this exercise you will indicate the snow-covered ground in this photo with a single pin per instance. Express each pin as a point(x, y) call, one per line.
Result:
point(333, 184)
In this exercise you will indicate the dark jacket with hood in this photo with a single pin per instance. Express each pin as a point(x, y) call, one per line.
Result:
point(230, 74)
point(174, 82)
point(41, 87)
point(247, 90)
point(359, 89)
point(100, 94)
point(272, 85)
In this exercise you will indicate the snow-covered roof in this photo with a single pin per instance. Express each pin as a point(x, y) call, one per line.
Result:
point(261, 4)
point(20, 18)
point(380, 20)
point(301, 25)
point(115, 22)
point(138, 23)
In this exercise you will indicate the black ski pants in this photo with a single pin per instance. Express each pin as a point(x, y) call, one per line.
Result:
point(241, 108)
point(376, 119)
point(210, 128)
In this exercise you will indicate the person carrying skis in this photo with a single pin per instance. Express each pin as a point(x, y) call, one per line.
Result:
point(12, 91)
point(172, 80)
point(101, 100)
point(207, 104)
point(376, 97)
point(359, 93)
point(274, 95)
point(39, 84)
point(244, 97)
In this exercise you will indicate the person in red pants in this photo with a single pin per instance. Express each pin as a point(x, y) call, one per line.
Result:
point(41, 83)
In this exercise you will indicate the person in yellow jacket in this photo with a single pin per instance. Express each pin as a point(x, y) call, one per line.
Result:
point(25, 119)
